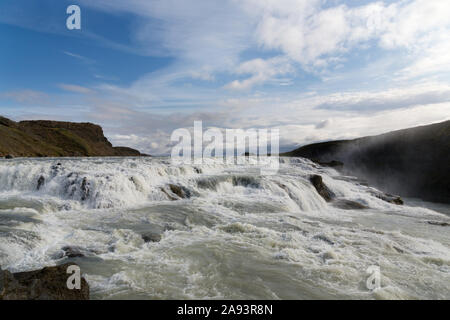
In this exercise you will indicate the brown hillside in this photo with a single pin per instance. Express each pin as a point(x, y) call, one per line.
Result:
point(43, 138)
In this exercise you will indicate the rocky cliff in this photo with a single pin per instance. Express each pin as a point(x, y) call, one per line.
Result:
point(411, 162)
point(56, 139)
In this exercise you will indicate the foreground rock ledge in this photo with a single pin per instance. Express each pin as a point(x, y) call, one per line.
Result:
point(49, 283)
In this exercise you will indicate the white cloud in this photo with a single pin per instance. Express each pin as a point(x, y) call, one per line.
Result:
point(204, 34)
point(208, 37)
point(392, 98)
point(260, 71)
point(301, 118)
point(414, 23)
point(432, 60)
point(310, 34)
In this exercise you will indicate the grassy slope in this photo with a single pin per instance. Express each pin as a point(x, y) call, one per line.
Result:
point(51, 138)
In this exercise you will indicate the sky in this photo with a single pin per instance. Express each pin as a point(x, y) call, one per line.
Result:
point(317, 70)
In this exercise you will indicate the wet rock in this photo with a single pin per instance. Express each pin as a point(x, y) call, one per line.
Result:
point(398, 249)
point(56, 169)
point(437, 223)
point(8, 156)
point(49, 283)
point(78, 252)
point(180, 191)
point(321, 188)
point(198, 170)
point(85, 190)
point(348, 205)
point(323, 238)
point(151, 237)
point(395, 200)
point(73, 252)
point(388, 198)
point(2, 281)
point(40, 182)
point(6, 281)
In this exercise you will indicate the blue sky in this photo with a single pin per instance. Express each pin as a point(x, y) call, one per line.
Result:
point(315, 69)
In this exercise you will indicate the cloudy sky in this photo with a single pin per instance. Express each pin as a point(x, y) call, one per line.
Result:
point(315, 69)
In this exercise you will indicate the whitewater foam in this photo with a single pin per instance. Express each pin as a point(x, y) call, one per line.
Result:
point(225, 231)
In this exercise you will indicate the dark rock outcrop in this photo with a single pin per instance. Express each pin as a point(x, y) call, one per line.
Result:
point(180, 191)
point(411, 162)
point(49, 283)
point(76, 252)
point(56, 139)
point(85, 189)
point(73, 252)
point(388, 198)
point(40, 182)
point(323, 238)
point(440, 224)
point(321, 188)
point(151, 237)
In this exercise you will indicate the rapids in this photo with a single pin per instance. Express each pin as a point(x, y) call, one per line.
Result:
point(148, 229)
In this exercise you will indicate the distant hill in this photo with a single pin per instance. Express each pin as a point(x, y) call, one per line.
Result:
point(56, 139)
point(411, 162)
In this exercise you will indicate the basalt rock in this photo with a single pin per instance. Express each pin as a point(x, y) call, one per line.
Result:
point(151, 237)
point(40, 182)
point(85, 189)
point(198, 170)
point(180, 191)
point(49, 283)
point(321, 188)
point(437, 223)
point(388, 197)
point(323, 238)
point(73, 252)
point(393, 199)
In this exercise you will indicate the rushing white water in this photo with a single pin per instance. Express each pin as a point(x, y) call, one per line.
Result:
point(221, 231)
